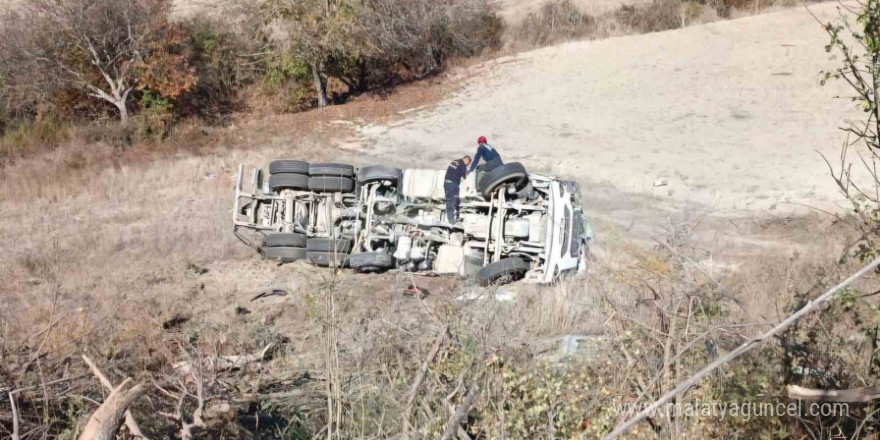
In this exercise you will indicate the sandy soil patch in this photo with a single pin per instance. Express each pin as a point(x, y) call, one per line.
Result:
point(729, 114)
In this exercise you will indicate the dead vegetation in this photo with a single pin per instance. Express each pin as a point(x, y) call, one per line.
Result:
point(125, 255)
point(563, 20)
point(164, 296)
point(347, 352)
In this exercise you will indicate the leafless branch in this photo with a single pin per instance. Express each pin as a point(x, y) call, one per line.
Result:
point(420, 377)
point(15, 434)
point(742, 349)
point(454, 423)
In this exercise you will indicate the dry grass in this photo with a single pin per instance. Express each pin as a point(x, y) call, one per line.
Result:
point(557, 21)
point(101, 256)
point(125, 253)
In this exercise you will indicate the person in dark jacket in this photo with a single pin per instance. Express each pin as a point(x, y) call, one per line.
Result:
point(456, 172)
point(490, 156)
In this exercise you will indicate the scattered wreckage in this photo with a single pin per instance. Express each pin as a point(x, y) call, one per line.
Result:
point(512, 224)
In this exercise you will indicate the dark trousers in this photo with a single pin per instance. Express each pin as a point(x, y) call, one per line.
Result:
point(490, 165)
point(452, 201)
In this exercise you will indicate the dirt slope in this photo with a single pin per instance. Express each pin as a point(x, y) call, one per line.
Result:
point(729, 114)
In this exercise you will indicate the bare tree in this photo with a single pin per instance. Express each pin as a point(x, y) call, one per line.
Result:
point(90, 45)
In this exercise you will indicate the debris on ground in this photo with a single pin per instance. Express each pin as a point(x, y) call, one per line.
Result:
point(273, 292)
point(412, 291)
point(501, 294)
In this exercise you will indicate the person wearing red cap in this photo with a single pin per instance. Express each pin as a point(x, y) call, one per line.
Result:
point(491, 158)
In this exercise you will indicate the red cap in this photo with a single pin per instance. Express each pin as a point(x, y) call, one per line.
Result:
point(481, 140)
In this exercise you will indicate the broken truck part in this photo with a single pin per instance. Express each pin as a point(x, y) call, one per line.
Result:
point(512, 224)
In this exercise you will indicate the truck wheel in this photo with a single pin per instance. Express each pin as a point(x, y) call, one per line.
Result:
point(331, 184)
point(331, 169)
point(288, 166)
point(340, 246)
point(371, 262)
point(502, 271)
point(505, 174)
point(377, 173)
point(281, 181)
point(328, 259)
point(285, 239)
point(285, 254)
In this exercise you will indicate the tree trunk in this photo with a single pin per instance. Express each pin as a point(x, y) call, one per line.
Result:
point(320, 84)
point(118, 98)
point(123, 111)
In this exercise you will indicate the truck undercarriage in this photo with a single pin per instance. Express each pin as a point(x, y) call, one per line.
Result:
point(512, 224)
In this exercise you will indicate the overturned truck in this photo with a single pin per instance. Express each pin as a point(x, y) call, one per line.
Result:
point(512, 224)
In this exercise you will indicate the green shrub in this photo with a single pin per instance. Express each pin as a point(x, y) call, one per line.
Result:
point(156, 117)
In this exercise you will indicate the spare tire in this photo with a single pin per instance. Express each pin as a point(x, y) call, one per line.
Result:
point(341, 246)
point(283, 254)
point(512, 172)
point(288, 180)
point(328, 259)
point(503, 271)
point(285, 239)
point(370, 262)
point(288, 166)
point(331, 184)
point(377, 173)
point(331, 169)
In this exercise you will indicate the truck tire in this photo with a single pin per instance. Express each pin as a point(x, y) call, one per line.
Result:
point(288, 166)
point(331, 184)
point(331, 169)
point(512, 172)
point(502, 271)
point(340, 246)
point(377, 173)
point(371, 262)
point(285, 239)
point(281, 181)
point(328, 259)
point(285, 254)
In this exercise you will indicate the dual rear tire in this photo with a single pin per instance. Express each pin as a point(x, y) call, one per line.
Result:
point(328, 252)
point(289, 247)
point(284, 247)
point(303, 176)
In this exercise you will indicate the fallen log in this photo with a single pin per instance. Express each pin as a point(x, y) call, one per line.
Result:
point(130, 422)
point(105, 421)
point(852, 395)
